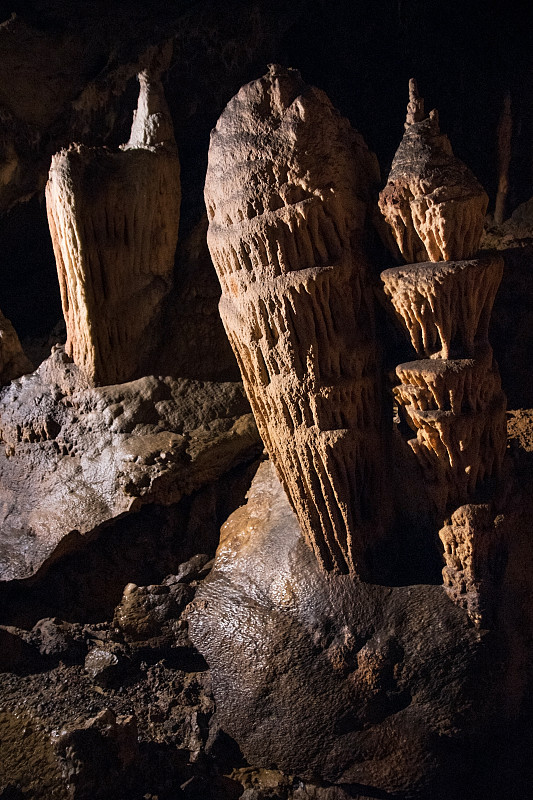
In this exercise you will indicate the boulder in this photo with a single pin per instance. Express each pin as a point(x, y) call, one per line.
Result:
point(332, 679)
point(75, 457)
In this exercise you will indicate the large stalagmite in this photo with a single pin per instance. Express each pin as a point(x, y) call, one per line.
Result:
point(114, 221)
point(452, 397)
point(286, 191)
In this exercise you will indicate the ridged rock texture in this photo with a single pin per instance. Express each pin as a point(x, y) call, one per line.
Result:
point(114, 220)
point(13, 361)
point(286, 191)
point(475, 554)
point(432, 202)
point(452, 397)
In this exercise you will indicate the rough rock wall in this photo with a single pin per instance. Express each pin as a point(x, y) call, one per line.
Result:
point(13, 361)
point(285, 191)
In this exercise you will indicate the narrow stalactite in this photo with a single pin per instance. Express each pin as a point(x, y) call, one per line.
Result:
point(114, 218)
point(286, 191)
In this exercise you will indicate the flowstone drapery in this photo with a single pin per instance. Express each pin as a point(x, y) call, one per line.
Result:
point(286, 192)
point(114, 221)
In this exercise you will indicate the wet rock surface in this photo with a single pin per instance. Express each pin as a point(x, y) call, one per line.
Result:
point(75, 458)
point(119, 708)
point(388, 687)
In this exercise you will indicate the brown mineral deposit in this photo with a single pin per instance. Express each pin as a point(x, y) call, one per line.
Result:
point(13, 361)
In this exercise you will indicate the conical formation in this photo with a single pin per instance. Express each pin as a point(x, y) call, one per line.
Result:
point(432, 202)
point(286, 192)
point(452, 398)
point(114, 218)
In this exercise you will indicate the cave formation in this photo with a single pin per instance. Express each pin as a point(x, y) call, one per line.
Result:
point(265, 414)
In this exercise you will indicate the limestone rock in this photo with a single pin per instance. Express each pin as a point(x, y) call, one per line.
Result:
point(13, 361)
point(286, 191)
point(432, 202)
point(86, 748)
point(148, 616)
point(102, 665)
point(445, 308)
point(342, 681)
point(114, 219)
point(74, 457)
point(475, 558)
point(517, 231)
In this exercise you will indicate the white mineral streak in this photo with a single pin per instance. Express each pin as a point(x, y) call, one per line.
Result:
point(114, 219)
point(286, 193)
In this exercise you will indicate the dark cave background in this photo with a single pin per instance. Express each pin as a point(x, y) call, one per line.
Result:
point(465, 56)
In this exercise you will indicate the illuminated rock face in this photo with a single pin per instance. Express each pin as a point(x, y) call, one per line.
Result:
point(432, 202)
point(452, 398)
point(114, 219)
point(445, 307)
point(457, 409)
point(286, 192)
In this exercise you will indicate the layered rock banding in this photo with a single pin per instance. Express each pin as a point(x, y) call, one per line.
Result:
point(286, 191)
point(452, 397)
point(114, 219)
point(432, 202)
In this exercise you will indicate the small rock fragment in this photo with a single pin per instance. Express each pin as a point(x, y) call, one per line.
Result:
point(149, 616)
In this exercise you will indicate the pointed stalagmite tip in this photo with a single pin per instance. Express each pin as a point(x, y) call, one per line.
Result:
point(415, 107)
point(279, 71)
point(152, 123)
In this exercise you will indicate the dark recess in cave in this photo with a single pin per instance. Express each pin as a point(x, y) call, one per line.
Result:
point(465, 57)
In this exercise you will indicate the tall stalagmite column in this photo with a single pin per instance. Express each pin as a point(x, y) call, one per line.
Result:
point(114, 220)
point(286, 192)
point(452, 396)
